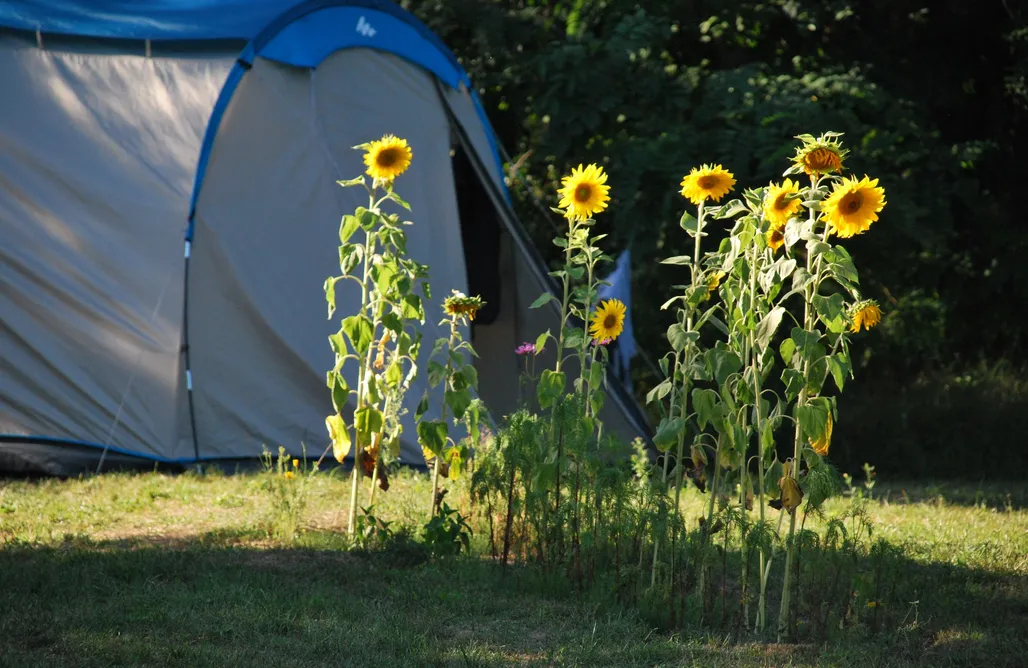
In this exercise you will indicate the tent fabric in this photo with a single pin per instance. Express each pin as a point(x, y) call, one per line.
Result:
point(112, 164)
point(256, 312)
point(96, 164)
point(152, 19)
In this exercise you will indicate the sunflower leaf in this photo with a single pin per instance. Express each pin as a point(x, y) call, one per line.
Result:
point(543, 299)
point(659, 392)
point(677, 259)
point(769, 325)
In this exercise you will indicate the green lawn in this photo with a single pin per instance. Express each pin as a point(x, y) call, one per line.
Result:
point(159, 570)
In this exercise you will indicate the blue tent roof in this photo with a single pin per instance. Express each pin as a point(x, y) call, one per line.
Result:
point(144, 19)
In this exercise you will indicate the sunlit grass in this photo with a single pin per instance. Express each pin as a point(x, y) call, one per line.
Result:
point(187, 571)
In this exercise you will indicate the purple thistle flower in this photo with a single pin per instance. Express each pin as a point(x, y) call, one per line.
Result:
point(525, 348)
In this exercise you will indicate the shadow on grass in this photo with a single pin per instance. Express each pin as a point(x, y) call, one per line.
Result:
point(215, 599)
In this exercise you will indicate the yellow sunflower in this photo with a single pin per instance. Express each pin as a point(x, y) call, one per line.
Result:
point(823, 155)
point(865, 314)
point(776, 238)
point(824, 441)
point(387, 157)
point(853, 205)
point(459, 304)
point(583, 193)
point(707, 182)
point(782, 202)
point(608, 321)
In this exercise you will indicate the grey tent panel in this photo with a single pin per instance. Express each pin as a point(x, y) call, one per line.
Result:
point(109, 338)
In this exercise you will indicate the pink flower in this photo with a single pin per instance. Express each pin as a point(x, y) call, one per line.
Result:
point(602, 342)
point(525, 348)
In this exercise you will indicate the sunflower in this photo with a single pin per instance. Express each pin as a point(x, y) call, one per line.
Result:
point(824, 441)
point(866, 314)
point(782, 202)
point(707, 182)
point(459, 304)
point(583, 192)
point(608, 321)
point(776, 238)
point(823, 155)
point(387, 157)
point(853, 205)
point(713, 282)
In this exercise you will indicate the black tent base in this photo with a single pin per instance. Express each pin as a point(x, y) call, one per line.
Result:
point(21, 458)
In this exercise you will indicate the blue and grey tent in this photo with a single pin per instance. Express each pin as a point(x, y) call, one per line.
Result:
point(169, 213)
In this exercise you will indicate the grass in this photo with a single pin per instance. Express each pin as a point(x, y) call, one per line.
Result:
point(188, 570)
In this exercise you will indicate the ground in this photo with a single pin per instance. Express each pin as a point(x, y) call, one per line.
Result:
point(187, 570)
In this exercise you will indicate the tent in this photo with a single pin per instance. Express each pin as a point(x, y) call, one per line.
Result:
point(169, 211)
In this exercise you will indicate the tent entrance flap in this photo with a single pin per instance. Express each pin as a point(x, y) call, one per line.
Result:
point(265, 237)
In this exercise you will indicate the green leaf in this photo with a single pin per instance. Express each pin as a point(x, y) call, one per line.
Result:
point(808, 345)
point(432, 436)
point(422, 407)
point(436, 373)
point(330, 294)
point(346, 183)
point(469, 374)
point(793, 379)
point(574, 337)
point(576, 272)
point(816, 374)
point(358, 329)
point(678, 260)
point(366, 218)
point(787, 349)
point(540, 341)
point(722, 363)
point(544, 298)
point(659, 392)
point(596, 400)
point(839, 365)
point(392, 322)
point(813, 416)
point(596, 374)
point(412, 308)
point(368, 421)
point(679, 338)
point(340, 392)
point(832, 312)
point(340, 436)
point(551, 387)
point(458, 401)
point(707, 405)
point(374, 396)
point(688, 223)
point(667, 433)
point(394, 374)
point(338, 343)
point(399, 200)
point(347, 226)
point(768, 326)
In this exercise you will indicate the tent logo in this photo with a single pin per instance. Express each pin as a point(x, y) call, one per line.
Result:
point(364, 28)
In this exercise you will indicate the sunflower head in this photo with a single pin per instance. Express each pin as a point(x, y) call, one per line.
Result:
point(458, 304)
point(608, 321)
point(713, 282)
point(865, 314)
point(853, 205)
point(584, 192)
point(776, 238)
point(386, 158)
point(824, 441)
point(707, 182)
point(782, 202)
point(816, 157)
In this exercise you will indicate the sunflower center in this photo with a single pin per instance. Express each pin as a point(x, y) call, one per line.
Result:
point(583, 193)
point(387, 157)
point(707, 182)
point(852, 203)
point(781, 202)
point(777, 235)
point(609, 321)
point(823, 160)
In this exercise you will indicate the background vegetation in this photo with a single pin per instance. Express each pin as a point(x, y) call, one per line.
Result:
point(932, 98)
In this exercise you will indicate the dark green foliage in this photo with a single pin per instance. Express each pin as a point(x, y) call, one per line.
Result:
point(932, 98)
